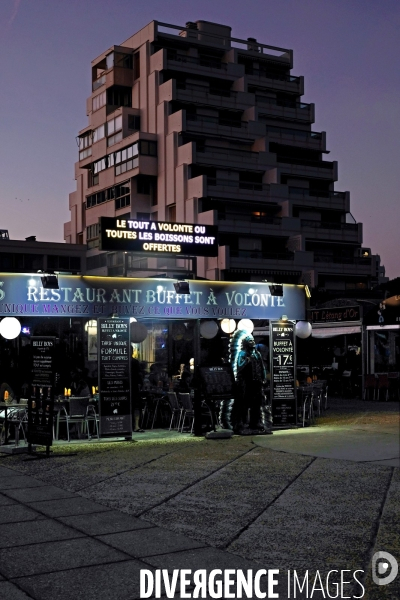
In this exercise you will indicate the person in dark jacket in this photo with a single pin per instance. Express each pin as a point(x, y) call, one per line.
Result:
point(136, 399)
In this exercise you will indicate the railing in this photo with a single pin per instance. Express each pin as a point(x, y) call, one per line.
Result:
point(210, 63)
point(299, 133)
point(216, 120)
point(208, 91)
point(240, 216)
point(248, 155)
point(262, 255)
point(283, 103)
point(318, 164)
point(99, 82)
point(322, 225)
point(343, 260)
point(317, 193)
point(242, 185)
point(227, 41)
point(272, 75)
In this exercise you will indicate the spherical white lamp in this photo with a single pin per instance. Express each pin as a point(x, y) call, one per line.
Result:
point(138, 332)
point(208, 329)
point(10, 328)
point(228, 325)
point(246, 325)
point(303, 329)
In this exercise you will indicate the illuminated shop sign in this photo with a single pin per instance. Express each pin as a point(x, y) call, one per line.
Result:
point(158, 237)
point(91, 297)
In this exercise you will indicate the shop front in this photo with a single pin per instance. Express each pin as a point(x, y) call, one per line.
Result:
point(171, 329)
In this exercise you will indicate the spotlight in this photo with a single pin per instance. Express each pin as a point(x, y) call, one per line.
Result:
point(276, 290)
point(182, 287)
point(49, 281)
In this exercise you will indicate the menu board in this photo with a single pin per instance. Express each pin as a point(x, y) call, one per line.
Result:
point(114, 379)
point(41, 401)
point(218, 381)
point(283, 384)
point(43, 352)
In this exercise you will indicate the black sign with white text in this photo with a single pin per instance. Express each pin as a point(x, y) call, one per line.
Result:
point(114, 380)
point(283, 384)
point(158, 237)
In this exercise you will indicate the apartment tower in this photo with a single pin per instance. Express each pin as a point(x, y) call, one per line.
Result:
point(192, 125)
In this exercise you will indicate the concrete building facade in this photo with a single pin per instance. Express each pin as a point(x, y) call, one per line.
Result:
point(189, 124)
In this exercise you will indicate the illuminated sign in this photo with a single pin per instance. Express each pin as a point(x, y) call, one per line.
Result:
point(158, 237)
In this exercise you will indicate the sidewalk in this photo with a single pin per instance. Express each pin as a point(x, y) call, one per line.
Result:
point(83, 525)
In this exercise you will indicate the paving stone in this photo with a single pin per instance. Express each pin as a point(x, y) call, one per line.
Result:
point(9, 591)
point(111, 521)
point(326, 518)
point(117, 581)
point(50, 557)
point(45, 492)
point(5, 500)
point(67, 506)
point(217, 508)
point(29, 532)
point(4, 472)
point(15, 513)
point(148, 542)
point(18, 481)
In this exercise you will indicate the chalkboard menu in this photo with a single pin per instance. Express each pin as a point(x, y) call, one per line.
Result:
point(114, 380)
point(217, 381)
point(283, 384)
point(41, 401)
point(43, 352)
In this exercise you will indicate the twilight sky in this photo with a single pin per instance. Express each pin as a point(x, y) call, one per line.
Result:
point(347, 51)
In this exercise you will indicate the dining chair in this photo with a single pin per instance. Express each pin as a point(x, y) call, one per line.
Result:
point(176, 410)
point(188, 410)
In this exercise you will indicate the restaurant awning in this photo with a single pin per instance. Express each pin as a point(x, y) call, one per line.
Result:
point(326, 332)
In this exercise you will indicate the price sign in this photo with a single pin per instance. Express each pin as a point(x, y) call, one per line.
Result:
point(283, 372)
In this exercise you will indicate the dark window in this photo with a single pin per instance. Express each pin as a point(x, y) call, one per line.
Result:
point(136, 64)
point(143, 216)
point(119, 96)
point(134, 122)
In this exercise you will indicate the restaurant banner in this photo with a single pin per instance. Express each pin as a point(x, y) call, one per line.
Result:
point(114, 377)
point(283, 372)
point(94, 297)
point(336, 314)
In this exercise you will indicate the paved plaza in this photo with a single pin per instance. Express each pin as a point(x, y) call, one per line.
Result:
point(83, 523)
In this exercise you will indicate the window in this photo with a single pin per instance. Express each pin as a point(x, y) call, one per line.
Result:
point(134, 122)
point(122, 195)
point(85, 153)
point(92, 231)
point(143, 216)
point(99, 133)
point(119, 59)
point(136, 64)
point(99, 101)
point(172, 213)
point(114, 127)
point(119, 96)
point(148, 148)
point(85, 142)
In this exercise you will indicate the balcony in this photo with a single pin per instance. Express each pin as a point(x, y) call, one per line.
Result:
point(260, 255)
point(345, 232)
point(293, 111)
point(304, 167)
point(212, 96)
point(231, 128)
point(312, 140)
point(239, 159)
point(240, 190)
point(275, 81)
point(99, 82)
point(320, 198)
